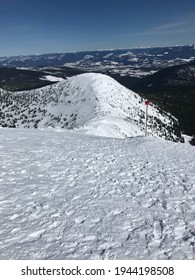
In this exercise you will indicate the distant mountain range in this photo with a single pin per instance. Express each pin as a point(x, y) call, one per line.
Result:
point(129, 62)
point(93, 103)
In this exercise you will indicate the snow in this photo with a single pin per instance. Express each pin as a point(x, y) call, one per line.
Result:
point(108, 55)
point(187, 139)
point(87, 56)
point(129, 53)
point(52, 78)
point(68, 195)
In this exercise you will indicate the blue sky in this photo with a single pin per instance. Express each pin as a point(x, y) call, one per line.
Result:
point(40, 26)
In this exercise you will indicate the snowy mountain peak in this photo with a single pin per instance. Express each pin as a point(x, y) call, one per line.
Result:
point(91, 103)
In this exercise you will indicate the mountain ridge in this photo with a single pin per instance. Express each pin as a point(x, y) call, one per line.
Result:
point(94, 103)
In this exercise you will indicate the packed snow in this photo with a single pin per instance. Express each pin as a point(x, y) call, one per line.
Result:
point(68, 195)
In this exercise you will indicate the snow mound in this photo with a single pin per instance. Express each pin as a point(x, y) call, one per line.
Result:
point(93, 103)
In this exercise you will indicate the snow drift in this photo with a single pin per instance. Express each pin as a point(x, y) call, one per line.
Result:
point(93, 103)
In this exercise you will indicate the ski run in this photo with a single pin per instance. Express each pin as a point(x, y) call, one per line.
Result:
point(68, 195)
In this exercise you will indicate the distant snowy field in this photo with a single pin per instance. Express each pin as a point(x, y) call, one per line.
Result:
point(66, 195)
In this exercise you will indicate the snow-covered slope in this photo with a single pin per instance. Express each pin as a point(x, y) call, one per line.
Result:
point(65, 195)
point(94, 103)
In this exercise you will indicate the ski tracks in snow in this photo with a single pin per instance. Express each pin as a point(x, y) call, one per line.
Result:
point(64, 195)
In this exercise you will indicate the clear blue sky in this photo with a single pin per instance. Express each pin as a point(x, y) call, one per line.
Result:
point(44, 26)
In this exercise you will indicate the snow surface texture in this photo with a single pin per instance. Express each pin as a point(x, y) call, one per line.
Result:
point(94, 103)
point(67, 195)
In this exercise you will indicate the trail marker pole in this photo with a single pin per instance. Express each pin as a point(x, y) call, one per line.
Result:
point(147, 102)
